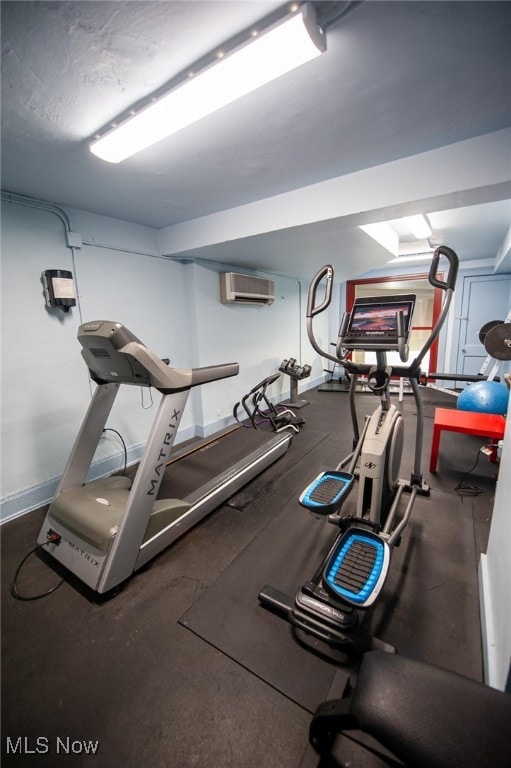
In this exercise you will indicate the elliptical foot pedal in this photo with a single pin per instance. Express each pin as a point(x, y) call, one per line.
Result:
point(357, 568)
point(327, 492)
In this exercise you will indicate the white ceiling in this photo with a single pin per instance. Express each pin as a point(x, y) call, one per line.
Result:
point(408, 111)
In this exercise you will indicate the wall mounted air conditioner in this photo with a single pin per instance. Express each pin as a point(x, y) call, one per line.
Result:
point(245, 289)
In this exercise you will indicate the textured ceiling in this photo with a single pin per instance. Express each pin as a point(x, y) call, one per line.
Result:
point(399, 79)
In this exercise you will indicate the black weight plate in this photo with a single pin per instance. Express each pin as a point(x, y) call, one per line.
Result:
point(498, 342)
point(487, 327)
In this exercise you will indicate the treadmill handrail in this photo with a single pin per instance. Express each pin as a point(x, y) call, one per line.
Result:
point(213, 373)
point(168, 379)
point(115, 355)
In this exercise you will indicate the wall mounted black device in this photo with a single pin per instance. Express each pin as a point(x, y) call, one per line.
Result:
point(59, 288)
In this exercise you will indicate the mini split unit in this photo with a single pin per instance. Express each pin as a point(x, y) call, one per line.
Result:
point(245, 289)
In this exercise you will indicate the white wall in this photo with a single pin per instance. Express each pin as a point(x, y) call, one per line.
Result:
point(39, 412)
point(172, 307)
point(495, 581)
point(256, 337)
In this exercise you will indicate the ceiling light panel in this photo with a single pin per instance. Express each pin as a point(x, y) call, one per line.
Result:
point(418, 226)
point(384, 234)
point(266, 55)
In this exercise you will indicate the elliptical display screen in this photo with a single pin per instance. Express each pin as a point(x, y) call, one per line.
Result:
point(373, 322)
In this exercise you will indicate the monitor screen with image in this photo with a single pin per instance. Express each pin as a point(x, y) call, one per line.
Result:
point(373, 322)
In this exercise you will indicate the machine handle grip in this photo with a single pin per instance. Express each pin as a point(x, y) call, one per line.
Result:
point(342, 333)
point(452, 274)
point(328, 272)
point(401, 343)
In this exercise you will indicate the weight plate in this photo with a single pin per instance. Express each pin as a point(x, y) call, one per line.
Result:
point(487, 327)
point(498, 342)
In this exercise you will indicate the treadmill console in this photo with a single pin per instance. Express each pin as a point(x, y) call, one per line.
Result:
point(373, 322)
point(103, 349)
point(114, 355)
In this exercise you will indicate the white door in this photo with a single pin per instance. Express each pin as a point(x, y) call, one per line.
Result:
point(484, 298)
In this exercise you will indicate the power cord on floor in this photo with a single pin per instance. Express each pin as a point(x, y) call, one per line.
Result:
point(469, 490)
point(52, 538)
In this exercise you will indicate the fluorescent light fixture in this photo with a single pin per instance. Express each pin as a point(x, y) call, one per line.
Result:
point(418, 226)
point(264, 56)
point(384, 234)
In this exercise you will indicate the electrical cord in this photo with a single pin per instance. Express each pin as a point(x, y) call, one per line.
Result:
point(469, 490)
point(109, 429)
point(53, 538)
point(146, 407)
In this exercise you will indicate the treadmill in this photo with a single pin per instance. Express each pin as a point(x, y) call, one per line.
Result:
point(105, 530)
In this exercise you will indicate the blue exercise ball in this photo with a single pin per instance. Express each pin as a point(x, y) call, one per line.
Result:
point(485, 397)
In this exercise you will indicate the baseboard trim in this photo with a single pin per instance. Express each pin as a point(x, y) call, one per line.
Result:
point(36, 496)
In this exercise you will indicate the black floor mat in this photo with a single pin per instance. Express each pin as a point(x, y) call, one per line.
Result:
point(300, 446)
point(433, 577)
point(229, 617)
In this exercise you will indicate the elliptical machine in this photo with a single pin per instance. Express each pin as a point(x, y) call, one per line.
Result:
point(354, 571)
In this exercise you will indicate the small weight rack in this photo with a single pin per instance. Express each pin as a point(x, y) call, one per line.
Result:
point(296, 373)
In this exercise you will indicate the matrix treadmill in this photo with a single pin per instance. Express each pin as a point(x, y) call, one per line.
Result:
point(105, 530)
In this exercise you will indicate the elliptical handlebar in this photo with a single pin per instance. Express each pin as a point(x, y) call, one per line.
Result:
point(328, 272)
point(450, 281)
point(313, 310)
point(402, 344)
point(447, 286)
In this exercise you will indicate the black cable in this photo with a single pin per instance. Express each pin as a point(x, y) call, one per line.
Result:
point(109, 429)
point(146, 407)
point(469, 490)
point(14, 587)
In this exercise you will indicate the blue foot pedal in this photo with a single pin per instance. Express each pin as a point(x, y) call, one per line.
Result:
point(357, 568)
point(327, 492)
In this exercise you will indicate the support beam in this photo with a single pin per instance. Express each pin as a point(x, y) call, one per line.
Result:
point(465, 173)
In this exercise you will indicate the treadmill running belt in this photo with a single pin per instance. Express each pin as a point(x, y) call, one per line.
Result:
point(199, 465)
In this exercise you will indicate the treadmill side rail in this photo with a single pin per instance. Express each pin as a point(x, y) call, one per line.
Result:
point(210, 496)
